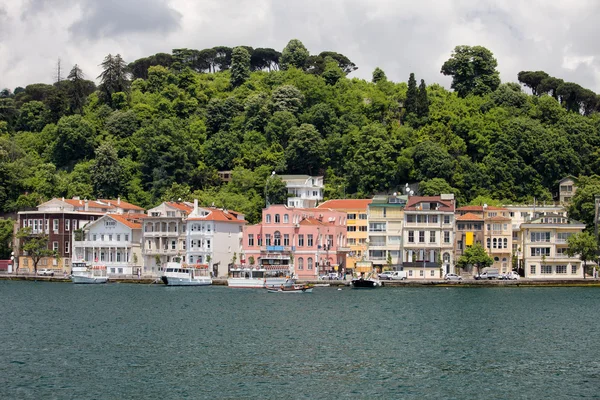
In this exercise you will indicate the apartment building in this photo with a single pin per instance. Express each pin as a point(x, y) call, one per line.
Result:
point(304, 191)
point(428, 248)
point(567, 187)
point(164, 235)
point(544, 243)
point(58, 219)
point(385, 220)
point(214, 238)
point(357, 227)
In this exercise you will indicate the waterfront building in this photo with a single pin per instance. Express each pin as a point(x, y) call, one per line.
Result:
point(112, 241)
point(304, 191)
point(428, 248)
point(58, 219)
point(544, 243)
point(357, 227)
point(385, 221)
point(305, 242)
point(164, 235)
point(493, 231)
point(567, 187)
point(214, 238)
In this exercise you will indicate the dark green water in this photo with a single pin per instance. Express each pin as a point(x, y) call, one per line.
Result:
point(120, 341)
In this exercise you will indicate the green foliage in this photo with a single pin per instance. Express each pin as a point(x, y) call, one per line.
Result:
point(240, 66)
point(378, 75)
point(293, 55)
point(35, 246)
point(475, 256)
point(106, 172)
point(6, 235)
point(582, 205)
point(473, 70)
point(584, 245)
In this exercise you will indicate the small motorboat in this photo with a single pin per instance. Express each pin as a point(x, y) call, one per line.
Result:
point(365, 283)
point(291, 289)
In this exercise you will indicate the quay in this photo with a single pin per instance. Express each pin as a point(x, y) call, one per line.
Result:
point(590, 282)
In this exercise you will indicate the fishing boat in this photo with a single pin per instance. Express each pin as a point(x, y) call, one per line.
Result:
point(291, 289)
point(258, 277)
point(82, 273)
point(181, 274)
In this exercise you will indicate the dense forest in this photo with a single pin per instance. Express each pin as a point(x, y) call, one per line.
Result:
point(159, 128)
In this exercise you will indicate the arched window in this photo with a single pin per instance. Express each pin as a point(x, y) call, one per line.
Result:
point(488, 242)
point(300, 263)
point(277, 219)
point(505, 243)
point(446, 258)
point(310, 263)
point(277, 239)
point(496, 259)
point(495, 241)
point(191, 259)
point(503, 259)
point(268, 219)
point(286, 218)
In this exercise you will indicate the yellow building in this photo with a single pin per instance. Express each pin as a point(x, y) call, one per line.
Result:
point(357, 226)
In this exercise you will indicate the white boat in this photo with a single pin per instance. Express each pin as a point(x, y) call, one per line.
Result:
point(257, 278)
point(82, 273)
point(291, 289)
point(178, 274)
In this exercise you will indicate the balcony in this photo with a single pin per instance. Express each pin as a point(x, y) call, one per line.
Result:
point(343, 249)
point(421, 264)
point(100, 244)
point(162, 251)
point(276, 248)
point(162, 234)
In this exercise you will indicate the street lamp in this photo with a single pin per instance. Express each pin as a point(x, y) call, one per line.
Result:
point(267, 184)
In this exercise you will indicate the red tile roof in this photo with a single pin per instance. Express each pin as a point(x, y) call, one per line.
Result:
point(103, 203)
point(469, 217)
point(126, 221)
point(498, 218)
point(216, 214)
point(480, 208)
point(312, 221)
point(346, 204)
point(180, 206)
point(122, 204)
point(413, 201)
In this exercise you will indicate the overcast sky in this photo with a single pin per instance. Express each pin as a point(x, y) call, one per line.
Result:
point(399, 36)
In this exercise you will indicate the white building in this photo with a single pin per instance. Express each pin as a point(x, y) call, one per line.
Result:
point(304, 191)
point(112, 241)
point(214, 237)
point(164, 235)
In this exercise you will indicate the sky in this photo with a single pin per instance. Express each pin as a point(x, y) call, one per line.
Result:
point(399, 36)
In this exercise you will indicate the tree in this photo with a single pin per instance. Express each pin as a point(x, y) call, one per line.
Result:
point(475, 256)
point(411, 95)
point(74, 140)
point(79, 89)
point(306, 151)
point(582, 206)
point(473, 70)
point(422, 101)
point(106, 172)
point(114, 77)
point(532, 80)
point(333, 72)
point(293, 55)
point(34, 246)
point(251, 260)
point(585, 245)
point(240, 66)
point(6, 235)
point(287, 98)
point(435, 187)
point(378, 76)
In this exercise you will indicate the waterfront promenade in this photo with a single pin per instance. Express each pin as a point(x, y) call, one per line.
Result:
point(341, 283)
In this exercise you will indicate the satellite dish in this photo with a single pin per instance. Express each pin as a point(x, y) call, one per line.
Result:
point(412, 192)
point(484, 205)
point(179, 199)
point(395, 194)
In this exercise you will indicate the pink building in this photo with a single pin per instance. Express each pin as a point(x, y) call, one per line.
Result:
point(306, 241)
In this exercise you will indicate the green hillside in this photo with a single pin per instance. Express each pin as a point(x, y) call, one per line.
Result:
point(161, 127)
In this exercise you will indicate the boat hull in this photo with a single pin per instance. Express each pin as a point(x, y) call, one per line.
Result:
point(365, 284)
point(89, 279)
point(174, 281)
point(307, 290)
point(249, 283)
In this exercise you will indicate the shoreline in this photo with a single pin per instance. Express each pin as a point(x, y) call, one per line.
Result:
point(591, 282)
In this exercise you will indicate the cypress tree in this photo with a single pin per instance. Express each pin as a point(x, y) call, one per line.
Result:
point(240, 66)
point(411, 95)
point(422, 101)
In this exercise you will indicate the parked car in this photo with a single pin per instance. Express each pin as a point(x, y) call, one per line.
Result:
point(45, 272)
point(513, 275)
point(397, 275)
point(385, 275)
point(488, 273)
point(332, 276)
point(453, 277)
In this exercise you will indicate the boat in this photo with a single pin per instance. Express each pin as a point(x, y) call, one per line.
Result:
point(82, 273)
point(258, 277)
point(369, 283)
point(181, 274)
point(291, 289)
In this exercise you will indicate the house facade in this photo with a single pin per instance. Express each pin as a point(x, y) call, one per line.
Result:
point(544, 240)
point(304, 242)
point(357, 227)
point(112, 241)
point(567, 187)
point(428, 248)
point(468, 231)
point(385, 221)
point(214, 238)
point(304, 191)
point(58, 219)
point(164, 235)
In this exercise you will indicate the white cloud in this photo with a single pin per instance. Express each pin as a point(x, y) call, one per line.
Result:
point(400, 36)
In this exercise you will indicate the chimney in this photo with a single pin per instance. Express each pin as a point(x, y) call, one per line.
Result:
point(86, 207)
point(195, 206)
point(119, 200)
point(63, 199)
